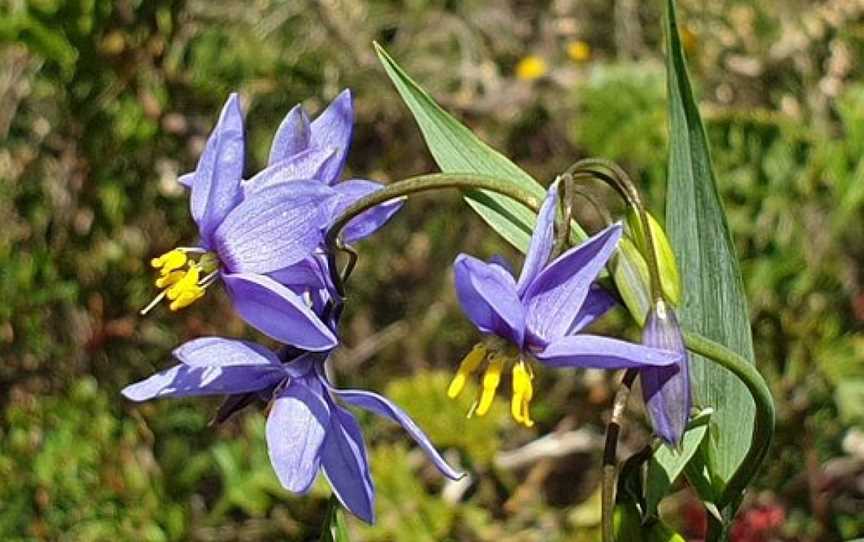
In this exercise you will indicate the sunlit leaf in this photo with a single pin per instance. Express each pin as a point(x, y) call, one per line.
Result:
point(714, 302)
point(457, 150)
point(668, 464)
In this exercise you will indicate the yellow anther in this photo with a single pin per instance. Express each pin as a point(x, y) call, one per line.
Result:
point(523, 392)
point(163, 281)
point(469, 365)
point(189, 282)
point(180, 276)
point(491, 380)
point(186, 298)
point(171, 260)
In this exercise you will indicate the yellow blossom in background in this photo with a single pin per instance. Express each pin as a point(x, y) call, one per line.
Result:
point(578, 51)
point(531, 67)
point(689, 39)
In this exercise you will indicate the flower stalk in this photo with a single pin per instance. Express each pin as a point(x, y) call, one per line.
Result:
point(614, 175)
point(610, 454)
point(406, 187)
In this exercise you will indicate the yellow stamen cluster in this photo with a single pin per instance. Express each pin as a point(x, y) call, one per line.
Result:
point(496, 361)
point(180, 277)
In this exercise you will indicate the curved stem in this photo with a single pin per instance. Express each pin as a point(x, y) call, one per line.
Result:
point(763, 428)
point(563, 219)
point(610, 455)
point(623, 184)
point(413, 185)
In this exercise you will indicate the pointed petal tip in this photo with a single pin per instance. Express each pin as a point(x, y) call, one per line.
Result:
point(232, 105)
point(132, 392)
point(384, 407)
point(457, 475)
point(673, 437)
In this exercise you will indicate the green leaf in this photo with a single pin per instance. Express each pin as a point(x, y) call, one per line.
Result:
point(668, 464)
point(334, 529)
point(457, 150)
point(714, 302)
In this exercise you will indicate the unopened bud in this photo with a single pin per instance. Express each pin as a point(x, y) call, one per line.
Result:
point(630, 273)
point(666, 390)
point(670, 278)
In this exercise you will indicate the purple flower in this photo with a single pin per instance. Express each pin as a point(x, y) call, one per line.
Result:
point(304, 149)
point(260, 235)
point(307, 429)
point(666, 390)
point(318, 149)
point(537, 318)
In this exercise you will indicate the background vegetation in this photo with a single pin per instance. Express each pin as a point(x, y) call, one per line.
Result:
point(102, 104)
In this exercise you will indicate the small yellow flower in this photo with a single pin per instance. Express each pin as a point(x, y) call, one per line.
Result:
point(531, 67)
point(578, 51)
point(689, 40)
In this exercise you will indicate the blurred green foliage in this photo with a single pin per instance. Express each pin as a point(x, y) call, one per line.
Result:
point(103, 104)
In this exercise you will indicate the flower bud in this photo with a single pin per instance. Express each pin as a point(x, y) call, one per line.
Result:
point(630, 273)
point(666, 390)
point(670, 279)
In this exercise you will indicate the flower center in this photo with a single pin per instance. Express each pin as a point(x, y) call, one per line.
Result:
point(496, 359)
point(180, 276)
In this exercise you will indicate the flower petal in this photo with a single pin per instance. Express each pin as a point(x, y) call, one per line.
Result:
point(666, 390)
point(277, 312)
point(220, 352)
point(212, 366)
point(541, 241)
point(369, 221)
point(555, 296)
point(385, 408)
point(186, 179)
point(216, 182)
point(592, 351)
point(275, 227)
point(296, 429)
point(307, 164)
point(597, 303)
point(344, 461)
point(303, 275)
point(488, 297)
point(502, 262)
point(332, 129)
point(292, 136)
point(184, 380)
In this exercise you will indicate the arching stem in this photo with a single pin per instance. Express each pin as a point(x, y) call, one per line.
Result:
point(763, 427)
point(413, 185)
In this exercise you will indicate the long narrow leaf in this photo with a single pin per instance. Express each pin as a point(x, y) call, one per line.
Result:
point(714, 301)
point(457, 150)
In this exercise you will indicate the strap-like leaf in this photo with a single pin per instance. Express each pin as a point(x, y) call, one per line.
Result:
point(457, 150)
point(714, 301)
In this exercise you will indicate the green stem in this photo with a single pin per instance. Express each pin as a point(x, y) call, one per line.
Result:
point(621, 182)
point(763, 428)
point(413, 185)
point(333, 528)
point(610, 455)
